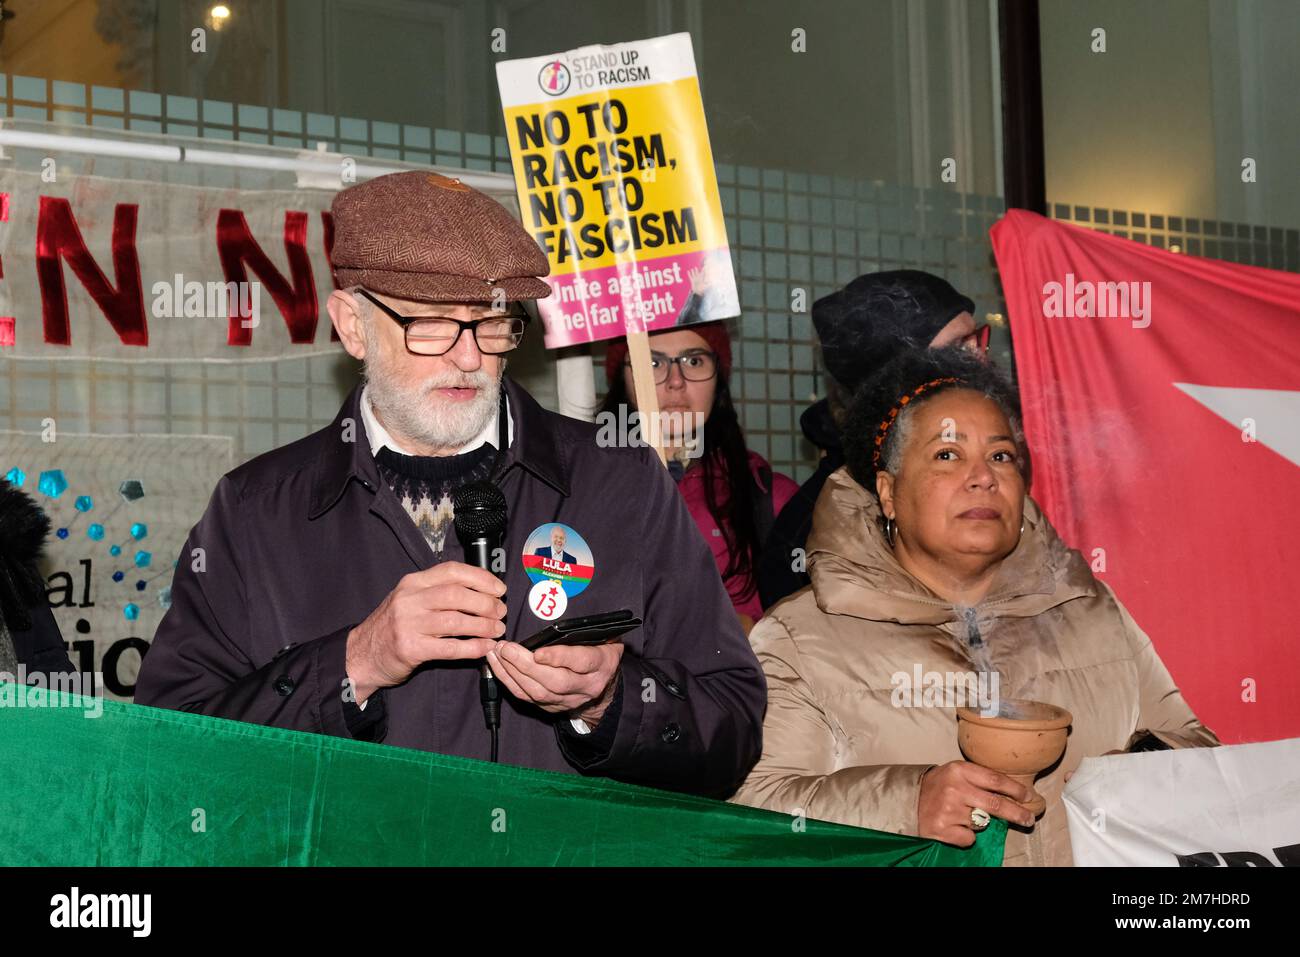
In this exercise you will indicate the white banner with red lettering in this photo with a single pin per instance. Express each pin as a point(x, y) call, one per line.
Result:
point(128, 270)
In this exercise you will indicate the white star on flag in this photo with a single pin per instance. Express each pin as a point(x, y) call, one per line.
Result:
point(1276, 413)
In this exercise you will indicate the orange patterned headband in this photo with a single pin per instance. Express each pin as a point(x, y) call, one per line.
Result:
point(883, 429)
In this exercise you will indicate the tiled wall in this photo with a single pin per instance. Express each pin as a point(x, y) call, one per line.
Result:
point(1268, 246)
point(261, 405)
point(789, 231)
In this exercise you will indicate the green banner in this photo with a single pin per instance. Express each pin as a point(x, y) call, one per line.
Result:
point(95, 782)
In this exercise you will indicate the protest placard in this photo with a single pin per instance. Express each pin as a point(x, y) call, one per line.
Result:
point(616, 182)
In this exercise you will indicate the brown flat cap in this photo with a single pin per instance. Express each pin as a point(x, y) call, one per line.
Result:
point(423, 236)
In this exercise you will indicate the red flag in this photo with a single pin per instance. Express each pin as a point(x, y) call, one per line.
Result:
point(1161, 397)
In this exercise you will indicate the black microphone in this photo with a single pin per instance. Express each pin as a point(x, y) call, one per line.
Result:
point(480, 521)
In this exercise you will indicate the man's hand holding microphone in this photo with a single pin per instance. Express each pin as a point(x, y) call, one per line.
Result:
point(451, 600)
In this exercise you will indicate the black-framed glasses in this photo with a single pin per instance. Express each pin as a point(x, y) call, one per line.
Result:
point(438, 335)
point(698, 366)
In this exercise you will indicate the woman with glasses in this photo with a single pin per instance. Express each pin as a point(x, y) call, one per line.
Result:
point(732, 492)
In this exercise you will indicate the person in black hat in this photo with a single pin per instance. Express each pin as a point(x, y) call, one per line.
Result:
point(861, 327)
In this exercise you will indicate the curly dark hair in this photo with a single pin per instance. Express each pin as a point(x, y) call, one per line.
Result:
point(901, 376)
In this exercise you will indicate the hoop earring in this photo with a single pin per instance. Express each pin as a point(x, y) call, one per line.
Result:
point(891, 529)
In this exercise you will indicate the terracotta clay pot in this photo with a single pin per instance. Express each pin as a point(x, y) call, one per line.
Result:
point(1022, 739)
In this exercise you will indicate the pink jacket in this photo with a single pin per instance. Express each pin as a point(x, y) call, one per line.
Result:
point(692, 488)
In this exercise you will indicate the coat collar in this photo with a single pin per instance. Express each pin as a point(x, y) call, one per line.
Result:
point(345, 450)
point(854, 571)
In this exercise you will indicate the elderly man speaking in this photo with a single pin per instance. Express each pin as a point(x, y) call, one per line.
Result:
point(324, 589)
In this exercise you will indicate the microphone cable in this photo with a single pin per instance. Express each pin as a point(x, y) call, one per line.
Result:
point(489, 694)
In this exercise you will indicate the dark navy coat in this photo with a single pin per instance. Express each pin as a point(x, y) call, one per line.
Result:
point(301, 544)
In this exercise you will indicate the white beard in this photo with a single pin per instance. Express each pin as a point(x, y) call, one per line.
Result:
point(418, 414)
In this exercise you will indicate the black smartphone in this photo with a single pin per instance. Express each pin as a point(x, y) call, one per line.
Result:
point(589, 630)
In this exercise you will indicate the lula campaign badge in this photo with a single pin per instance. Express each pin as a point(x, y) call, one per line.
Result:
point(559, 563)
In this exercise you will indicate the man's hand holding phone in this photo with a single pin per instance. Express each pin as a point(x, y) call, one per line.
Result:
point(563, 679)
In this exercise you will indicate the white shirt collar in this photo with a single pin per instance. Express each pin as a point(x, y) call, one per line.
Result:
point(380, 437)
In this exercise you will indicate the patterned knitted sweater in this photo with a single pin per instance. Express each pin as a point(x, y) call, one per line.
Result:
point(425, 484)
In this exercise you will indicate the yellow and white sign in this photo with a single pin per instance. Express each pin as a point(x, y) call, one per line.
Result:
point(616, 183)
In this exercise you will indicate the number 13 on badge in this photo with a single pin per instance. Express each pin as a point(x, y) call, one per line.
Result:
point(560, 565)
point(547, 600)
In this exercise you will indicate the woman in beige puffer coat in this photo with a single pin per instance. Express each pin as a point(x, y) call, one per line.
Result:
point(975, 580)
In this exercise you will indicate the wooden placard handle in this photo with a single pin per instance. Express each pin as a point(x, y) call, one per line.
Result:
point(647, 396)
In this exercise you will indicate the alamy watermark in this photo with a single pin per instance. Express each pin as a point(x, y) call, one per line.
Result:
point(179, 299)
point(16, 690)
point(946, 689)
point(133, 912)
point(1084, 299)
point(628, 429)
